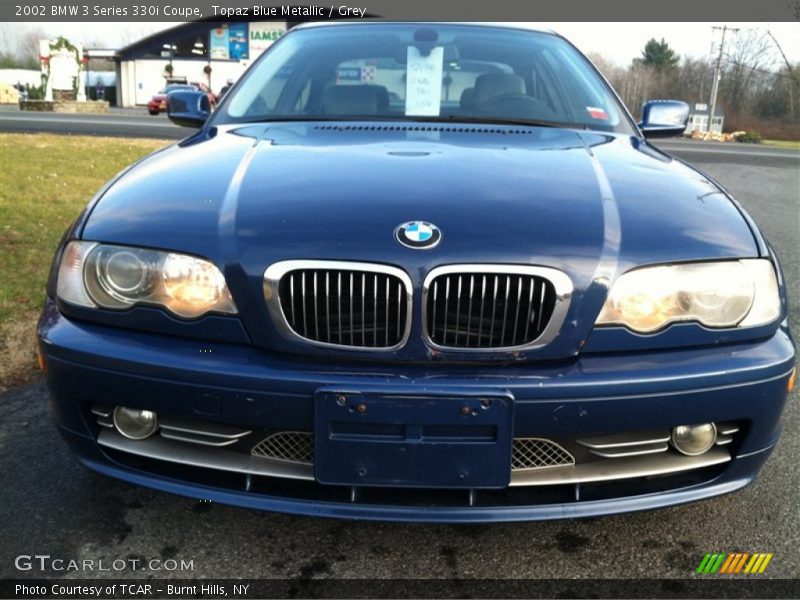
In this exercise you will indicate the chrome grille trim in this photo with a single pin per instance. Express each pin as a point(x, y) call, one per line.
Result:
point(626, 451)
point(203, 433)
point(623, 468)
point(725, 433)
point(621, 440)
point(205, 428)
point(290, 446)
point(198, 439)
point(223, 459)
point(102, 410)
point(627, 444)
point(104, 415)
point(560, 282)
point(350, 276)
point(538, 453)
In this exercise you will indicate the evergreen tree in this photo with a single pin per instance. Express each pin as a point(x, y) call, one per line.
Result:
point(659, 55)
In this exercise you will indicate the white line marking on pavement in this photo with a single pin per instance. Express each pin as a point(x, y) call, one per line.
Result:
point(99, 121)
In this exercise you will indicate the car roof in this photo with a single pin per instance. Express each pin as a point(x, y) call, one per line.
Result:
point(488, 25)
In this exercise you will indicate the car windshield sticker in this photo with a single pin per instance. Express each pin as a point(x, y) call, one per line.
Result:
point(368, 73)
point(344, 74)
point(597, 113)
point(424, 82)
point(362, 74)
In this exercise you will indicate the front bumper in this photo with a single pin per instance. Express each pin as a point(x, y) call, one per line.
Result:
point(90, 365)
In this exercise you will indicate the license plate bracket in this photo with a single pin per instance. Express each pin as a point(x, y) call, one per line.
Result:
point(413, 440)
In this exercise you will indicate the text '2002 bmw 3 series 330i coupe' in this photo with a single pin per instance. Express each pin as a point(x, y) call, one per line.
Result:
point(420, 272)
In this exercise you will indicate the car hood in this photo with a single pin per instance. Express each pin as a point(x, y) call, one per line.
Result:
point(589, 204)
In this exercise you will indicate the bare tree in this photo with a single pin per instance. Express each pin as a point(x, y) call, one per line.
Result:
point(793, 80)
point(789, 67)
point(754, 93)
point(751, 55)
point(19, 45)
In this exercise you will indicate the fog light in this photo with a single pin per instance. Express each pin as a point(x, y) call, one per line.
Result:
point(135, 423)
point(692, 440)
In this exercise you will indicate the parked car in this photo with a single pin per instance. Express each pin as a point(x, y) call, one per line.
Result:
point(158, 103)
point(212, 97)
point(355, 294)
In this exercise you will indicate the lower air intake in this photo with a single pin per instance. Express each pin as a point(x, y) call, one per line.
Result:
point(289, 446)
point(298, 447)
point(537, 453)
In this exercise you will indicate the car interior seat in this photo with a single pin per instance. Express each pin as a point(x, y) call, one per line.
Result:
point(354, 100)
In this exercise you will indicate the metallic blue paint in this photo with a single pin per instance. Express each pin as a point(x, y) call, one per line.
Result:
point(740, 474)
point(595, 393)
point(591, 204)
point(567, 197)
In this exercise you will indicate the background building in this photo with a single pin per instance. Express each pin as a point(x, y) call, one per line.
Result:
point(204, 51)
point(698, 119)
point(20, 76)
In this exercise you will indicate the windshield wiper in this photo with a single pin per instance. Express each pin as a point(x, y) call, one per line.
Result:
point(491, 121)
point(442, 119)
point(290, 118)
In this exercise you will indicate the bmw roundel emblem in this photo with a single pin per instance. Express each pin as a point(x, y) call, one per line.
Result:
point(420, 235)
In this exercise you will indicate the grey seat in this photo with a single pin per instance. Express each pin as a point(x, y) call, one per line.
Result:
point(354, 100)
point(467, 100)
point(494, 85)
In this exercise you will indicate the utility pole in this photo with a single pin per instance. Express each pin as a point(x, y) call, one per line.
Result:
point(717, 74)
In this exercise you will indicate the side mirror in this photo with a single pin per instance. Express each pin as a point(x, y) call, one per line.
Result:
point(664, 118)
point(188, 108)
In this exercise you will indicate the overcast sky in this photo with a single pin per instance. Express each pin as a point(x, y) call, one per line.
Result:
point(618, 42)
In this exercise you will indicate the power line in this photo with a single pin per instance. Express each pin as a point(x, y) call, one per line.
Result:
point(730, 60)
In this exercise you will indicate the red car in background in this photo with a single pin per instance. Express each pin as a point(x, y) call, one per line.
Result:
point(158, 102)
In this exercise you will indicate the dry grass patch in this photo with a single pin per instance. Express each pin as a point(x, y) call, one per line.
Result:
point(17, 347)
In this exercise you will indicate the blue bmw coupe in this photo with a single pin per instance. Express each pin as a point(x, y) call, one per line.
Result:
point(420, 272)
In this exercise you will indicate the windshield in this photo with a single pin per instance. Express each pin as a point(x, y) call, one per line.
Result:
point(425, 72)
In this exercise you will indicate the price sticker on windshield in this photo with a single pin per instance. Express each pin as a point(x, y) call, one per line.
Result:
point(424, 82)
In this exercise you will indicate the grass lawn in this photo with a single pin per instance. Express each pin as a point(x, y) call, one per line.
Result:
point(45, 181)
point(782, 144)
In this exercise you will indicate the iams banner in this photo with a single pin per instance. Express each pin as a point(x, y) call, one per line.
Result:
point(263, 34)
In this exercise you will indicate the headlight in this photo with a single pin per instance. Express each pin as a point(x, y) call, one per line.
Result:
point(717, 294)
point(118, 277)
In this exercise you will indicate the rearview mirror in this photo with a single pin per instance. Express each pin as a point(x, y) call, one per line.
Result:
point(664, 118)
point(188, 108)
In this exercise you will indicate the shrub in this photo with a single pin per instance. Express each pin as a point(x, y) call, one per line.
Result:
point(35, 92)
point(749, 137)
point(769, 129)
